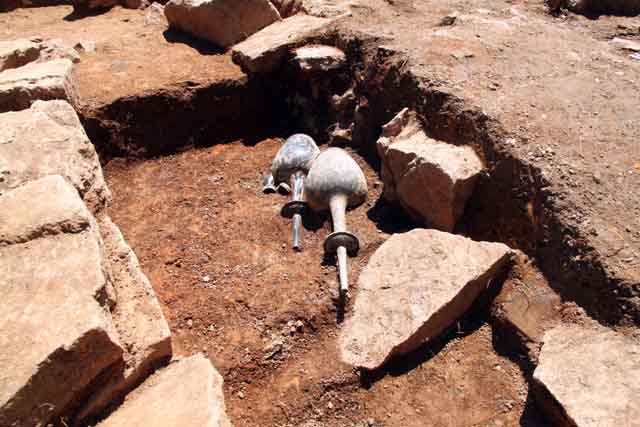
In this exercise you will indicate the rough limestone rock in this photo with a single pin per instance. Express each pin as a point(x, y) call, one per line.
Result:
point(589, 377)
point(416, 285)
point(288, 8)
point(137, 315)
point(57, 335)
point(53, 208)
point(20, 87)
point(626, 44)
point(319, 58)
point(49, 139)
point(86, 46)
point(330, 9)
point(16, 53)
point(431, 180)
point(54, 49)
point(222, 22)
point(264, 51)
point(187, 393)
point(155, 15)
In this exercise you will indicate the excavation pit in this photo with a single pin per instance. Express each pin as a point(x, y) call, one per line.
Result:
point(218, 253)
point(183, 152)
point(185, 138)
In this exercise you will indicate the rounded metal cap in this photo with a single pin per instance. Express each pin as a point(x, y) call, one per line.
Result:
point(341, 238)
point(268, 184)
point(293, 207)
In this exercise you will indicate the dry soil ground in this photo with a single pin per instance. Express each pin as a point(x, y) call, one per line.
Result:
point(217, 250)
point(218, 254)
point(567, 100)
point(134, 53)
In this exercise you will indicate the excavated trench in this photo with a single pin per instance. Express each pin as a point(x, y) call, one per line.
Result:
point(184, 166)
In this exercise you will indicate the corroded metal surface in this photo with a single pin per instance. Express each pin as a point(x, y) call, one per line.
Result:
point(297, 154)
point(288, 169)
point(333, 173)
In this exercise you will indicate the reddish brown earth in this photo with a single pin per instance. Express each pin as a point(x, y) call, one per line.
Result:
point(217, 251)
point(133, 54)
point(146, 89)
point(554, 94)
point(565, 106)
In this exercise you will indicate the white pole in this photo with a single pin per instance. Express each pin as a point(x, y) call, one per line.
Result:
point(297, 181)
point(342, 268)
point(338, 206)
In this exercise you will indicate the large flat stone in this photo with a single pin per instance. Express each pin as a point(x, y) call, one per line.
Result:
point(20, 52)
point(430, 179)
point(415, 286)
point(589, 376)
point(137, 315)
point(319, 58)
point(56, 49)
point(48, 206)
point(49, 139)
point(187, 393)
point(16, 53)
point(20, 87)
point(222, 22)
point(626, 44)
point(57, 335)
point(264, 51)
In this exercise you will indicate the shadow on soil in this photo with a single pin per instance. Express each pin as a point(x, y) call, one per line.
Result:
point(389, 217)
point(203, 47)
point(403, 364)
point(531, 414)
point(81, 13)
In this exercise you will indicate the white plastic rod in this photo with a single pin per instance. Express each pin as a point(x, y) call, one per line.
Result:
point(343, 270)
point(338, 206)
point(297, 221)
point(297, 180)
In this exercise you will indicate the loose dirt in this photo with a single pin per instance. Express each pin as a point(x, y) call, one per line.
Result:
point(217, 250)
point(134, 54)
point(218, 253)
